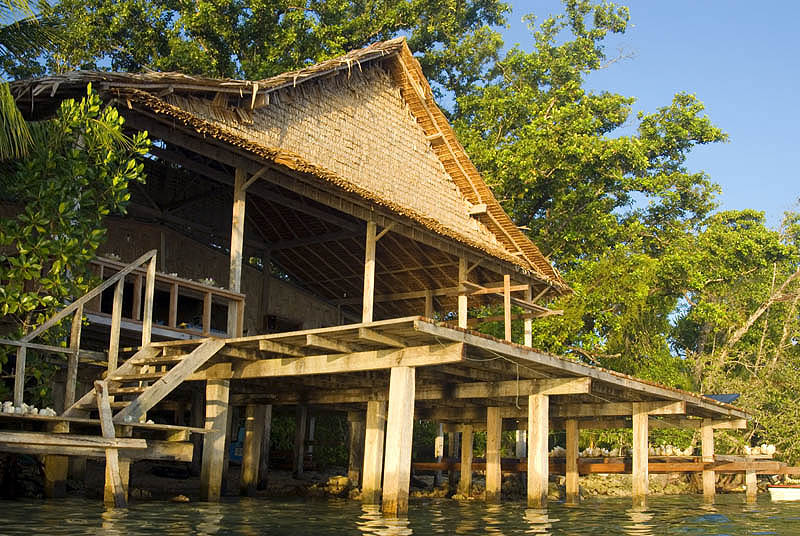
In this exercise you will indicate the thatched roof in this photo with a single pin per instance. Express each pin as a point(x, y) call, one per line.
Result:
point(444, 192)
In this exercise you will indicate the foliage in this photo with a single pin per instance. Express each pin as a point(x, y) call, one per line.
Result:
point(76, 174)
point(24, 35)
point(260, 38)
point(664, 288)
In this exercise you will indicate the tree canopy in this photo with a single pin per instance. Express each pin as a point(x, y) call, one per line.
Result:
point(666, 287)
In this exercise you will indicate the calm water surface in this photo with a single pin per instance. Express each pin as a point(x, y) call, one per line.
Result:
point(685, 515)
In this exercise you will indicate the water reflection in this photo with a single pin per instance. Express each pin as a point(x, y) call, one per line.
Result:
point(641, 522)
point(209, 519)
point(438, 522)
point(538, 521)
point(291, 517)
point(493, 519)
point(372, 521)
point(466, 522)
point(114, 521)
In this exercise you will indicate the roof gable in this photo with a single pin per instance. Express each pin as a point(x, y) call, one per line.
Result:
point(378, 135)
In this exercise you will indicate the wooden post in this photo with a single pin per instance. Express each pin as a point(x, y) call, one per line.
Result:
point(172, 319)
point(149, 293)
point(136, 309)
point(263, 471)
point(72, 359)
point(438, 453)
point(399, 435)
point(465, 483)
point(217, 393)
point(124, 465)
point(56, 467)
point(573, 496)
point(707, 451)
point(494, 473)
point(237, 243)
point(538, 461)
point(55, 476)
point(452, 451)
point(301, 423)
point(521, 444)
point(373, 451)
point(507, 305)
point(640, 453)
point(312, 426)
point(429, 312)
point(95, 304)
point(19, 376)
point(76, 464)
point(116, 491)
point(251, 451)
point(357, 428)
point(751, 483)
point(367, 311)
point(462, 298)
point(528, 322)
point(197, 419)
point(207, 315)
point(116, 323)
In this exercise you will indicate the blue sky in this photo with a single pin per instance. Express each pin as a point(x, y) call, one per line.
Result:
point(740, 58)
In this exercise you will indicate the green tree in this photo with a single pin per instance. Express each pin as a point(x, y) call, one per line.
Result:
point(71, 180)
point(260, 38)
point(604, 204)
point(554, 155)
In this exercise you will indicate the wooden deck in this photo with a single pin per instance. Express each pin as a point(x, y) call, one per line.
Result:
point(348, 365)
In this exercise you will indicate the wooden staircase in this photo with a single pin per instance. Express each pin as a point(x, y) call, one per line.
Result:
point(145, 379)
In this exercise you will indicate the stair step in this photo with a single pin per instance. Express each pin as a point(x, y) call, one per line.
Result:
point(138, 377)
point(127, 390)
point(169, 360)
point(120, 404)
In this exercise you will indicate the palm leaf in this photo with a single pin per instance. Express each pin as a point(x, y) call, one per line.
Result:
point(15, 136)
point(11, 8)
point(34, 33)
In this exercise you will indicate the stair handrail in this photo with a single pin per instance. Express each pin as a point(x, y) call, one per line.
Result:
point(77, 306)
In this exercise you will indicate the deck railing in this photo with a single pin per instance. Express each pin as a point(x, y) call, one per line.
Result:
point(145, 282)
point(177, 287)
point(76, 309)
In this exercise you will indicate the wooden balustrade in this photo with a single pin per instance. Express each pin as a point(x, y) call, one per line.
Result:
point(145, 280)
point(179, 290)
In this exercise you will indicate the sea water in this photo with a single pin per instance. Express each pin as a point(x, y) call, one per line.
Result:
point(680, 515)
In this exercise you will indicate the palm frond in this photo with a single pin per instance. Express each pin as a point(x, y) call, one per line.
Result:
point(15, 136)
point(34, 33)
point(10, 9)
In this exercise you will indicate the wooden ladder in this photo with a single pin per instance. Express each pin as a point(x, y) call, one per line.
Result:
point(148, 376)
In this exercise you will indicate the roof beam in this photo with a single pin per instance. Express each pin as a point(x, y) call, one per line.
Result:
point(316, 239)
point(260, 190)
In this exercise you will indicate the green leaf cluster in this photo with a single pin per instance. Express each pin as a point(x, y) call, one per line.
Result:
point(257, 39)
point(76, 174)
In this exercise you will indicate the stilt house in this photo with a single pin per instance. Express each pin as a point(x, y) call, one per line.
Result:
point(316, 240)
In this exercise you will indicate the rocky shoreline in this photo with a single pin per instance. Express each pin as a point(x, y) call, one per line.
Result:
point(22, 476)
